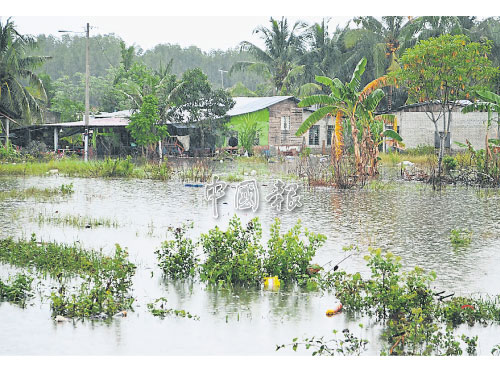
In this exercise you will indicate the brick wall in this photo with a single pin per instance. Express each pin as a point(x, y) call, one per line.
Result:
point(417, 129)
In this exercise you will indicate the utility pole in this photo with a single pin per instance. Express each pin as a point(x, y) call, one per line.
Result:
point(86, 120)
point(87, 90)
point(222, 77)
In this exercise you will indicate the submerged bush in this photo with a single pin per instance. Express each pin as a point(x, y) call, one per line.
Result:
point(236, 255)
point(417, 320)
point(460, 237)
point(177, 257)
point(37, 193)
point(103, 292)
point(17, 289)
point(288, 256)
point(233, 256)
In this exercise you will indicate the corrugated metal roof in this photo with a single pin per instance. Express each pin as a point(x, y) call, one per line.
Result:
point(93, 122)
point(253, 104)
point(126, 113)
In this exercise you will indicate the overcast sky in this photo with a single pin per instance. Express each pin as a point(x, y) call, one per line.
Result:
point(209, 24)
point(204, 32)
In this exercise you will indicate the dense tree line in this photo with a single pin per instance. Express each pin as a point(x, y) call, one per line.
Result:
point(293, 55)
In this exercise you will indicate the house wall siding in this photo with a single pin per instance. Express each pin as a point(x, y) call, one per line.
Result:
point(276, 136)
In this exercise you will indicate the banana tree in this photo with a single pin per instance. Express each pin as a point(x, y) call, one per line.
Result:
point(357, 107)
point(490, 103)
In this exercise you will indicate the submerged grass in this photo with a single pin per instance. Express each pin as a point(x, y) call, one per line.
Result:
point(76, 221)
point(36, 193)
point(106, 284)
point(50, 258)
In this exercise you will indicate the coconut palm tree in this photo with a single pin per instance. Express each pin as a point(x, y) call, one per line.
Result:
point(425, 27)
point(17, 67)
point(278, 61)
point(384, 39)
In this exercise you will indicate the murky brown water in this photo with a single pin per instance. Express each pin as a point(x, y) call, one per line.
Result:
point(411, 220)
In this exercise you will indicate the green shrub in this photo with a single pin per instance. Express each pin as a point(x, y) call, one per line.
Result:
point(104, 292)
point(177, 257)
point(449, 163)
point(233, 256)
point(460, 237)
point(288, 256)
point(18, 291)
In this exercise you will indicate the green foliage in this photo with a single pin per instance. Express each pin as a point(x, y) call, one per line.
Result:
point(449, 163)
point(37, 194)
point(278, 63)
point(8, 153)
point(49, 257)
point(460, 237)
point(21, 90)
point(114, 167)
point(158, 308)
point(199, 171)
point(233, 256)
point(248, 132)
point(76, 221)
point(177, 257)
point(349, 345)
point(144, 126)
point(446, 68)
point(103, 293)
point(417, 321)
point(160, 171)
point(19, 289)
point(288, 256)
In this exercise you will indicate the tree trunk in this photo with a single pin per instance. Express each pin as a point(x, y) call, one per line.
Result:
point(357, 153)
point(7, 130)
point(389, 98)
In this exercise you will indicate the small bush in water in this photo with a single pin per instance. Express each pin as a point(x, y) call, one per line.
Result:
point(417, 320)
point(176, 257)
point(103, 292)
point(288, 256)
point(233, 256)
point(460, 237)
point(18, 291)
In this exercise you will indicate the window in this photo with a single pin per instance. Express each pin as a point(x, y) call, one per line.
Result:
point(437, 140)
point(314, 135)
point(329, 131)
point(285, 123)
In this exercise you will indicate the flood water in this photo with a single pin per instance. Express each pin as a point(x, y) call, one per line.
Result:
point(411, 220)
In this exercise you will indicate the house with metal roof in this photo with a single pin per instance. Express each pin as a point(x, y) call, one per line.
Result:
point(279, 118)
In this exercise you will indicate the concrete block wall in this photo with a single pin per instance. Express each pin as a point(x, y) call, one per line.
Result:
point(417, 129)
point(323, 132)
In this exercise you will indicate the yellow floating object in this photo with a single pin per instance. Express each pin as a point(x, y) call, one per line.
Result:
point(271, 282)
point(336, 310)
